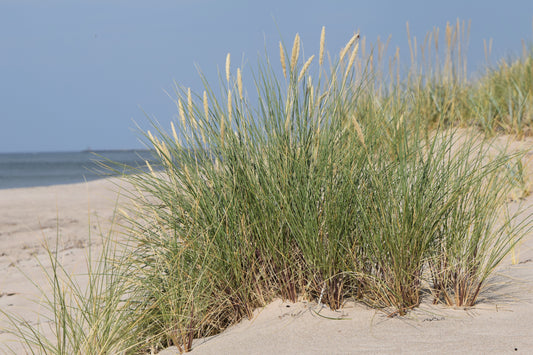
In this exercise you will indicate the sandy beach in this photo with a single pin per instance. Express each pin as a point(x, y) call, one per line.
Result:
point(266, 177)
point(502, 322)
point(73, 216)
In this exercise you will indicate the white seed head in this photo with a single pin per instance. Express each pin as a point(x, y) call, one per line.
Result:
point(174, 134)
point(305, 67)
point(348, 46)
point(295, 51)
point(206, 107)
point(282, 60)
point(239, 82)
point(189, 102)
point(322, 42)
point(228, 59)
point(182, 113)
point(230, 106)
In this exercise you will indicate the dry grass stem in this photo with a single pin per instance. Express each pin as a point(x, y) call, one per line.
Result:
point(359, 131)
point(288, 116)
point(352, 58)
point(150, 168)
point(348, 46)
point(150, 136)
point(222, 129)
point(230, 106)
point(305, 67)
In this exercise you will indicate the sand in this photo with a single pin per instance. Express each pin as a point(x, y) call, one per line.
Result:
point(72, 215)
point(501, 323)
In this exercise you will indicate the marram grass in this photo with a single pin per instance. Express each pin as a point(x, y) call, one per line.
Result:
point(325, 190)
point(338, 182)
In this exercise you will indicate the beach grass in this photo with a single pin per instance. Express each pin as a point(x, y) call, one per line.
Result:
point(79, 314)
point(328, 182)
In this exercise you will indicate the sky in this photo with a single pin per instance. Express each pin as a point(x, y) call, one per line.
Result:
point(78, 75)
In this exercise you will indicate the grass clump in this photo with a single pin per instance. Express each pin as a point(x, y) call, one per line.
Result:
point(320, 191)
point(328, 182)
point(504, 97)
point(499, 101)
point(79, 314)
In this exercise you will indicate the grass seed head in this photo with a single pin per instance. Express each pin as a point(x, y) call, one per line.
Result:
point(174, 134)
point(352, 57)
point(182, 113)
point(228, 60)
point(206, 107)
point(189, 102)
point(348, 46)
point(295, 51)
point(282, 60)
point(322, 43)
point(239, 82)
point(305, 67)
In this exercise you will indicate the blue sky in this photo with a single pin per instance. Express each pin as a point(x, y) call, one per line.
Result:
point(77, 74)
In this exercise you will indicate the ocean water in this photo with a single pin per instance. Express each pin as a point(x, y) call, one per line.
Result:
point(43, 169)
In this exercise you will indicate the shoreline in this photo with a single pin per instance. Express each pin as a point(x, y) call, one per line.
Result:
point(58, 184)
point(25, 170)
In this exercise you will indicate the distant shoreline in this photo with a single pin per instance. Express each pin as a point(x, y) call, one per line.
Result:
point(19, 170)
point(114, 150)
point(88, 150)
point(2, 188)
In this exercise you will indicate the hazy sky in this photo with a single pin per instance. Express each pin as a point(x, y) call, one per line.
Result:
point(77, 74)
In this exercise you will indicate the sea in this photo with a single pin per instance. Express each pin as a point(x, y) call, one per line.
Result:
point(56, 168)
